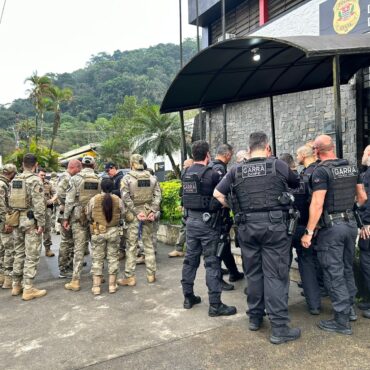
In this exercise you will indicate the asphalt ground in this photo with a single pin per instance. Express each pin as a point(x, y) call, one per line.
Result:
point(146, 327)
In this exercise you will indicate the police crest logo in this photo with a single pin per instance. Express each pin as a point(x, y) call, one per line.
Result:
point(344, 171)
point(253, 170)
point(346, 16)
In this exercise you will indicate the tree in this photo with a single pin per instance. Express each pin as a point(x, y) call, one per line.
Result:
point(38, 95)
point(56, 96)
point(161, 134)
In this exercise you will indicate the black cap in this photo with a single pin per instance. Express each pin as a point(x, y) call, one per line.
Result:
point(110, 165)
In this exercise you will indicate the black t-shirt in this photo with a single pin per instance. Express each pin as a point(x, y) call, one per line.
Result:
point(219, 167)
point(320, 178)
point(117, 183)
point(281, 167)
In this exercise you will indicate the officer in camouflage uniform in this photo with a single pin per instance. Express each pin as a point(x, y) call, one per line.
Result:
point(7, 173)
point(55, 225)
point(27, 197)
point(141, 197)
point(65, 259)
point(83, 187)
point(104, 214)
point(50, 198)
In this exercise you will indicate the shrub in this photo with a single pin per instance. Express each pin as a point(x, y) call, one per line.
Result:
point(171, 202)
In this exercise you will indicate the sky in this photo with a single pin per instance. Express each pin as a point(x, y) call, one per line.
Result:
point(61, 35)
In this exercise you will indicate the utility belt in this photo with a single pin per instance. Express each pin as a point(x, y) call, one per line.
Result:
point(275, 217)
point(212, 219)
point(326, 219)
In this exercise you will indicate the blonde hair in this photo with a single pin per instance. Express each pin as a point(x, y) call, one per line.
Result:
point(306, 150)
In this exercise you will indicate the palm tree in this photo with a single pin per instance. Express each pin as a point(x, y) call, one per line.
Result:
point(161, 134)
point(56, 96)
point(37, 94)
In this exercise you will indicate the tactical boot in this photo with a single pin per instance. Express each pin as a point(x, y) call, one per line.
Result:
point(226, 286)
point(31, 293)
point(255, 323)
point(235, 277)
point(112, 283)
point(7, 284)
point(352, 314)
point(2, 278)
point(140, 260)
point(96, 285)
point(282, 334)
point(130, 281)
point(190, 300)
point(176, 253)
point(73, 285)
point(49, 253)
point(221, 310)
point(340, 324)
point(366, 314)
point(150, 278)
point(16, 288)
point(122, 255)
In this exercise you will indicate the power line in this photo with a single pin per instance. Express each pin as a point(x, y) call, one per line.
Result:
point(2, 12)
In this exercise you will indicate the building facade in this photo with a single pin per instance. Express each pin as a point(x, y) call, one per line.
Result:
point(298, 117)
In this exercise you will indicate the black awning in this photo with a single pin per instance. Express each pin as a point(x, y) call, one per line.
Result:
point(226, 72)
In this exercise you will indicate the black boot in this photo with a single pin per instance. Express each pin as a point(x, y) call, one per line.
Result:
point(340, 324)
point(282, 334)
point(352, 314)
point(364, 306)
point(236, 276)
point(225, 286)
point(255, 323)
point(221, 310)
point(366, 314)
point(191, 300)
point(224, 271)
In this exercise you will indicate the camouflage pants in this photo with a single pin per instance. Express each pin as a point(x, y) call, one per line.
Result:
point(80, 238)
point(102, 245)
point(27, 247)
point(7, 258)
point(132, 241)
point(65, 258)
point(47, 230)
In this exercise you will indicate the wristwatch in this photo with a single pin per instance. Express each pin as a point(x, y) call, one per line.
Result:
point(308, 232)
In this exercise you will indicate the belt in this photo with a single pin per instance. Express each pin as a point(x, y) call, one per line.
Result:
point(347, 215)
point(262, 216)
point(196, 214)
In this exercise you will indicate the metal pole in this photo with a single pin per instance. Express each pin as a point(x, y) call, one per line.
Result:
point(337, 106)
point(182, 123)
point(197, 10)
point(272, 114)
point(200, 120)
point(224, 110)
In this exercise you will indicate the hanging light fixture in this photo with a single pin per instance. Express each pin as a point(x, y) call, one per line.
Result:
point(256, 56)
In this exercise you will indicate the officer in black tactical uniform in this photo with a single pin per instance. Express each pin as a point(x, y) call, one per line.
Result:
point(261, 204)
point(224, 154)
point(203, 231)
point(307, 258)
point(364, 242)
point(335, 183)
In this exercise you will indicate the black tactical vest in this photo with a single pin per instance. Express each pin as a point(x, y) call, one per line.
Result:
point(195, 195)
point(302, 194)
point(257, 186)
point(342, 185)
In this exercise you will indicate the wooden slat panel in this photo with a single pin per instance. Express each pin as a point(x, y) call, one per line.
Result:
point(277, 7)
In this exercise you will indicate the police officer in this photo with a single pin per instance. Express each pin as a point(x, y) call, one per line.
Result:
point(141, 196)
point(50, 198)
point(203, 231)
point(224, 154)
point(307, 258)
point(65, 257)
point(335, 183)
point(7, 173)
point(82, 187)
point(27, 197)
point(104, 214)
point(364, 243)
point(261, 204)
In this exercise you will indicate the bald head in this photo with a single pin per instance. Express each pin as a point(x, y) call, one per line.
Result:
point(324, 147)
point(74, 166)
point(366, 157)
